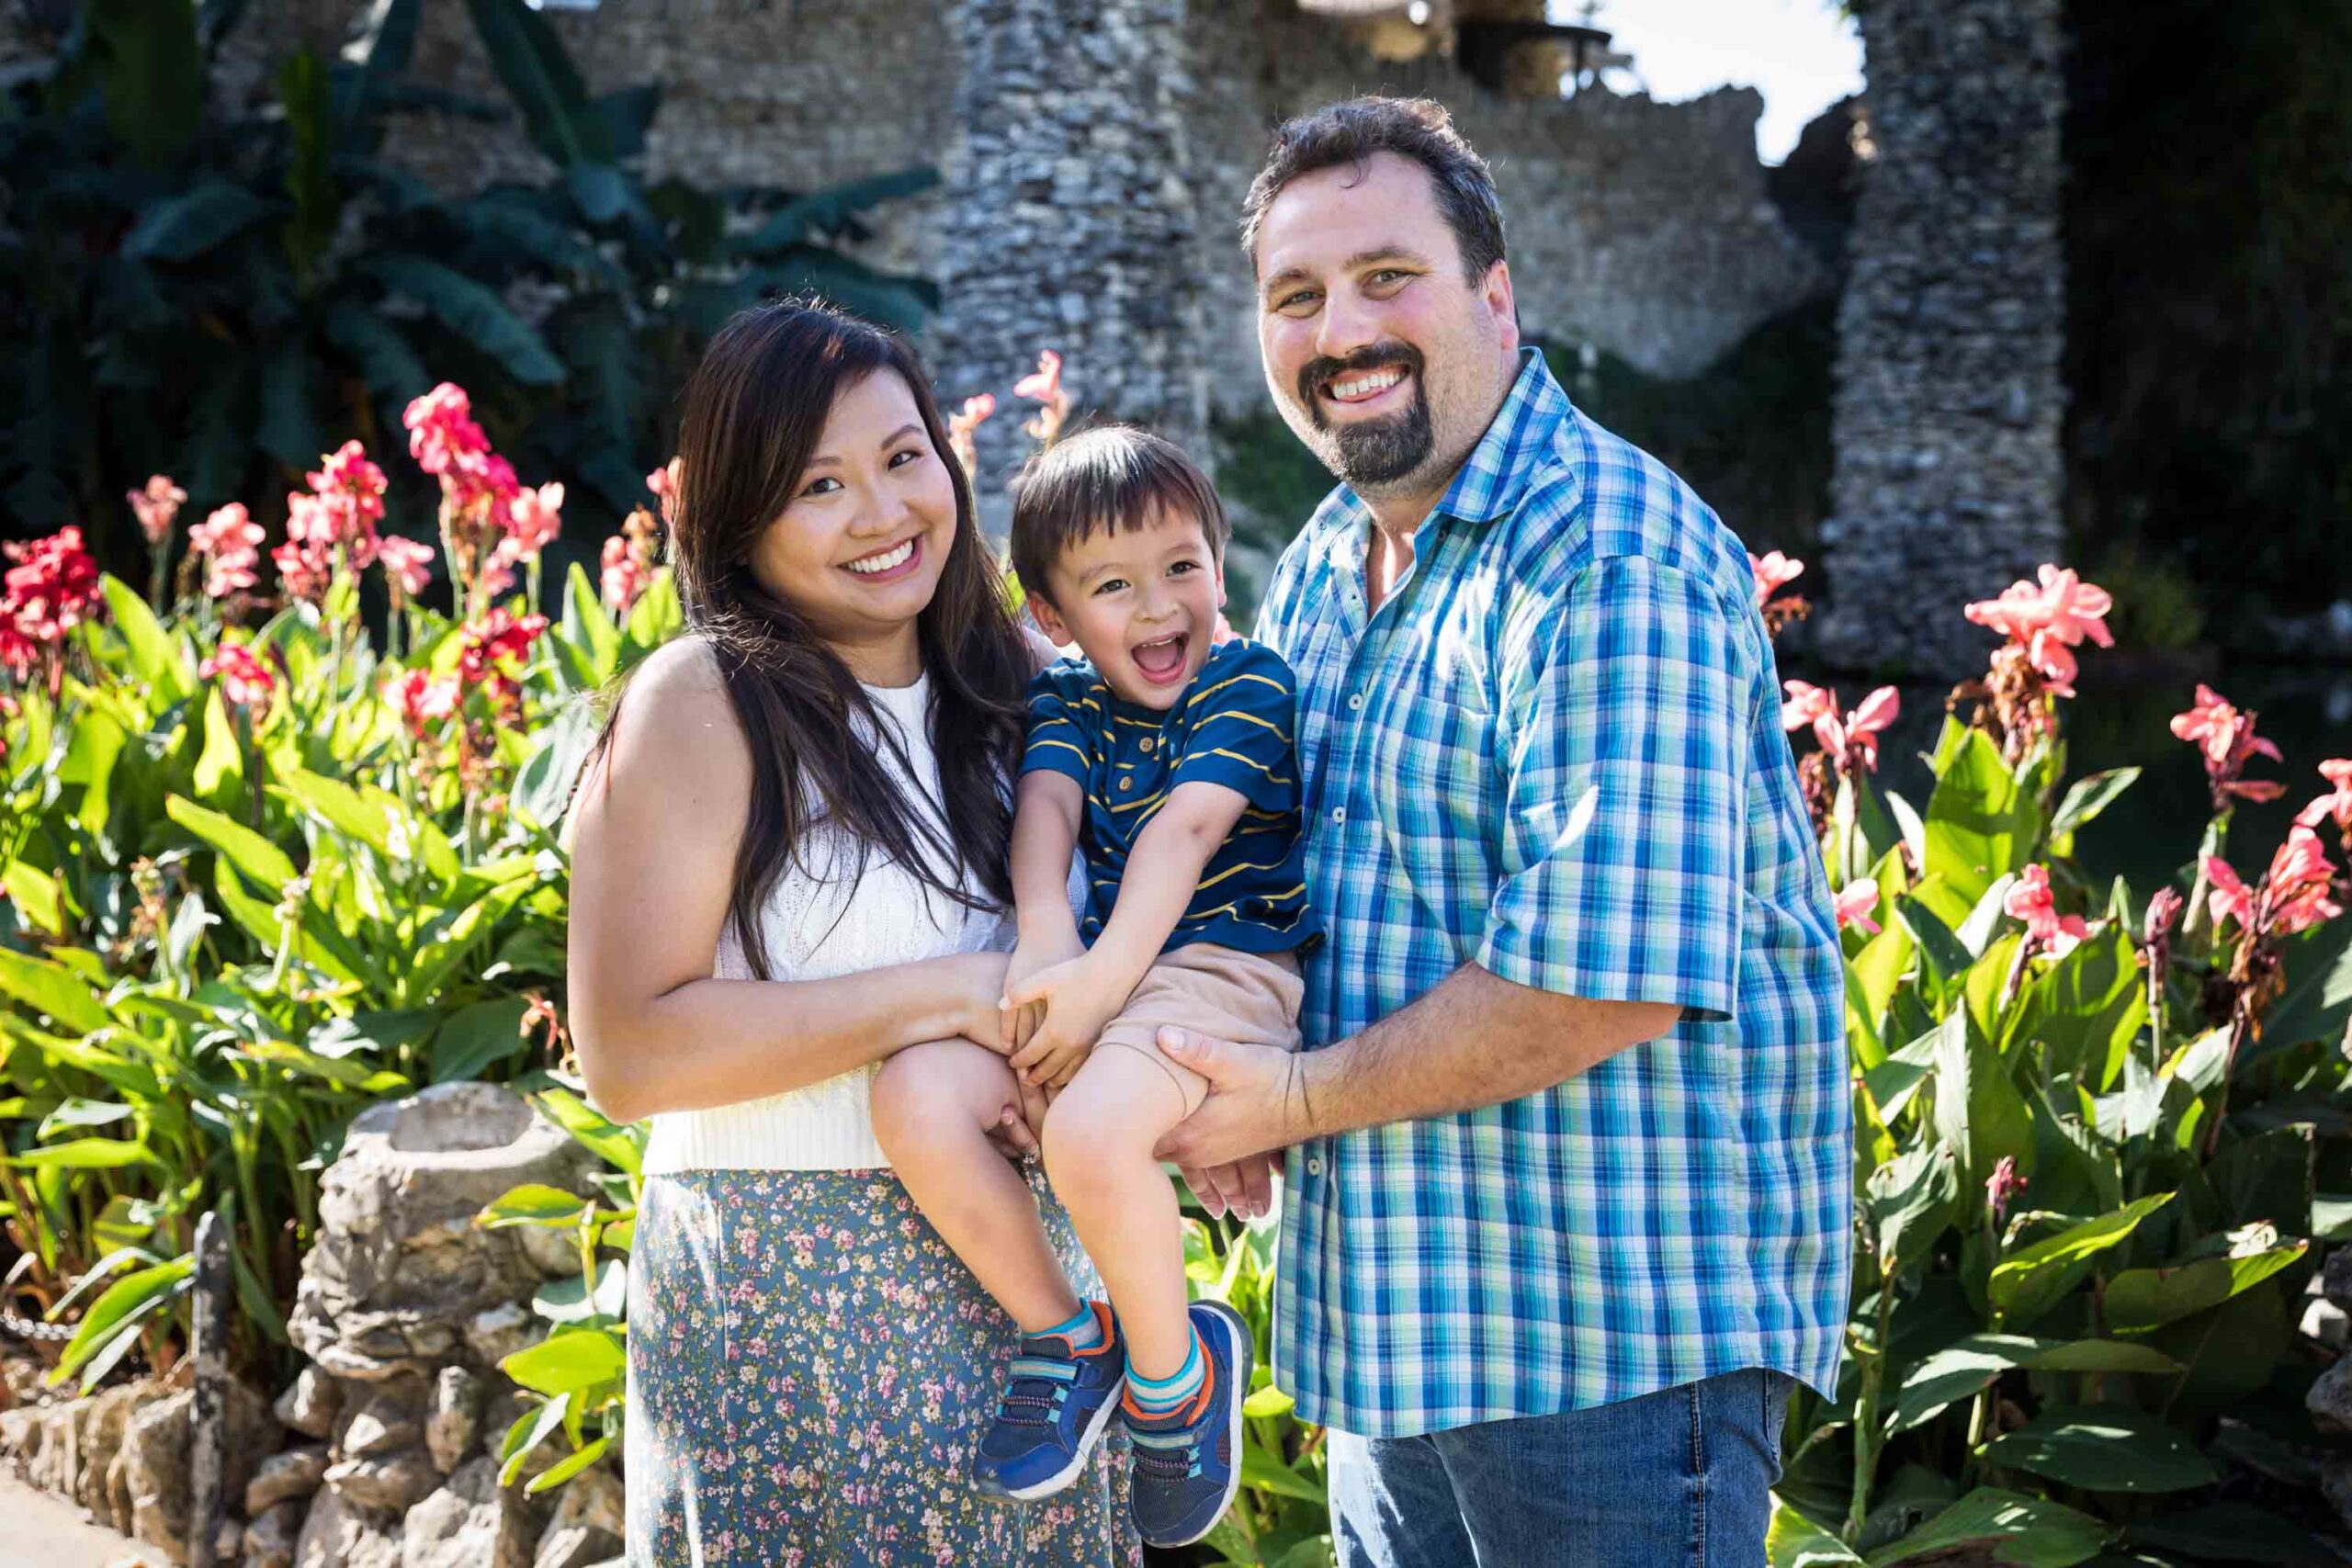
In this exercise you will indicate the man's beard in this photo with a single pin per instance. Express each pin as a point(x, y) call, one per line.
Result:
point(1373, 451)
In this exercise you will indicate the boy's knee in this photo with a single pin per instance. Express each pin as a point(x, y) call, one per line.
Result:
point(1087, 1132)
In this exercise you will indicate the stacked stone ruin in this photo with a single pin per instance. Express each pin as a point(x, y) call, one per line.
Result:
point(383, 1453)
point(1950, 397)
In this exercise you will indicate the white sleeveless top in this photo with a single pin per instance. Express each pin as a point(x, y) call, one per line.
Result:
point(827, 917)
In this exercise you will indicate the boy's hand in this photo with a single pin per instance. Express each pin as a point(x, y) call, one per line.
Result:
point(1078, 997)
point(1031, 954)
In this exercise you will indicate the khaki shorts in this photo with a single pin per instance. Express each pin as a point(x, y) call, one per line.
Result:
point(1248, 997)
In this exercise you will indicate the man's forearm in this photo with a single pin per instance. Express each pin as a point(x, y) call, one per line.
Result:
point(1474, 1039)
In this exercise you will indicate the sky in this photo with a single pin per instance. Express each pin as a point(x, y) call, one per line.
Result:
point(1801, 54)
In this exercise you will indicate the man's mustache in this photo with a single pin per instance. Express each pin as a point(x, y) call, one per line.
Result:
point(1315, 373)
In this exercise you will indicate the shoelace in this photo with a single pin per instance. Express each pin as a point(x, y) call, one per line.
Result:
point(1169, 1464)
point(1034, 1396)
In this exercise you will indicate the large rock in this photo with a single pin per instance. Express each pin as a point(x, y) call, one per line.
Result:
point(2336, 1277)
point(311, 1403)
point(2330, 1397)
point(399, 1267)
point(390, 1484)
point(271, 1535)
point(454, 1420)
point(471, 1523)
point(103, 1431)
point(340, 1534)
point(389, 1419)
point(154, 1460)
point(290, 1476)
point(589, 1514)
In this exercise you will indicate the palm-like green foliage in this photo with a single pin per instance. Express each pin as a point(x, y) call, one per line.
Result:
point(210, 292)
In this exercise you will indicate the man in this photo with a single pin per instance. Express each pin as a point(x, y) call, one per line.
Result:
point(1568, 1188)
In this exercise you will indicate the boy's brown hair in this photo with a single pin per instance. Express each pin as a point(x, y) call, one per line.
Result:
point(1105, 478)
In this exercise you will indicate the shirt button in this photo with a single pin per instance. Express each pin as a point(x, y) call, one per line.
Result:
point(1127, 784)
point(1314, 1165)
point(1339, 817)
point(1355, 700)
point(1146, 746)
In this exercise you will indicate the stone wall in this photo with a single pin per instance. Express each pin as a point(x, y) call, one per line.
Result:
point(1097, 159)
point(1950, 398)
point(1640, 227)
point(1071, 214)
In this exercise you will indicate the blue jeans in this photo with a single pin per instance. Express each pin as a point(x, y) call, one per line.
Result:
point(1678, 1479)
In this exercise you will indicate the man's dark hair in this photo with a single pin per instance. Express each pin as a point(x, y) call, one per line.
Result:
point(1107, 478)
point(1418, 129)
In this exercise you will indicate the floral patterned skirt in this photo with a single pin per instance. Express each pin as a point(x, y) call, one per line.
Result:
point(810, 1369)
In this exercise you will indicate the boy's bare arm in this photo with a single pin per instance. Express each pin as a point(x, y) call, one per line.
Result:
point(1162, 874)
point(1047, 807)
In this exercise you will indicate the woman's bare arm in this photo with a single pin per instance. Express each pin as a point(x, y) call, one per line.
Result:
point(654, 859)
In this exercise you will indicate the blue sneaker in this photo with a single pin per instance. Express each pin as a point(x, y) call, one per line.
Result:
point(1187, 1463)
point(1056, 1402)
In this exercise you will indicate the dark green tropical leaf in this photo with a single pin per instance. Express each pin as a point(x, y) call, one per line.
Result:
point(2107, 1447)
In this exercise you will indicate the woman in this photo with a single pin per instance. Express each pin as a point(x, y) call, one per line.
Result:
point(789, 863)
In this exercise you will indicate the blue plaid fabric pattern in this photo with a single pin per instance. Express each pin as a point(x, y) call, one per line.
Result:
point(1555, 752)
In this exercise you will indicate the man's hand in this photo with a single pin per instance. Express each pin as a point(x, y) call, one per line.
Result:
point(1078, 999)
point(1244, 1189)
point(1254, 1109)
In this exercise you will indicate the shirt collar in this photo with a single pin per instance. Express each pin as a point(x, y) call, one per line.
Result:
point(1493, 477)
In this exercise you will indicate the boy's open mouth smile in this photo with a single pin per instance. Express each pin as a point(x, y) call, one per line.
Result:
point(1161, 662)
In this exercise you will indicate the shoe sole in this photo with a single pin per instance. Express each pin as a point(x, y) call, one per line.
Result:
point(1245, 1362)
point(1061, 1478)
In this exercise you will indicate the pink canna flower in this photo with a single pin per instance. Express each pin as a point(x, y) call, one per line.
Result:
point(2002, 1188)
point(2048, 620)
point(534, 518)
point(228, 531)
point(2225, 738)
point(1856, 900)
point(1849, 740)
point(2029, 899)
point(2337, 804)
point(2230, 899)
point(407, 565)
point(2292, 896)
point(664, 482)
point(156, 506)
point(420, 700)
point(245, 680)
point(1773, 572)
point(51, 588)
point(1043, 384)
point(1806, 702)
point(962, 426)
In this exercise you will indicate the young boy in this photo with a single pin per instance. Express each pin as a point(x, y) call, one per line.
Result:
point(1167, 758)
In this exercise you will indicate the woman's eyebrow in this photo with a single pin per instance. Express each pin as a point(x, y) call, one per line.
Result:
point(910, 428)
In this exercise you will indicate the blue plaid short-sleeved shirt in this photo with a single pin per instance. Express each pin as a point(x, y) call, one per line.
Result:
point(1555, 752)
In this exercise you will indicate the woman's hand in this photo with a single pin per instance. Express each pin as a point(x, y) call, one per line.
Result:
point(1035, 953)
point(970, 987)
point(1078, 997)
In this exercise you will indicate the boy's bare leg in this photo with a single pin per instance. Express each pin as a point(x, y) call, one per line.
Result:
point(933, 1107)
point(1099, 1137)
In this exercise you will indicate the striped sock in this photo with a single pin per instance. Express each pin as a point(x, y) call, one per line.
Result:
point(1084, 1331)
point(1168, 1396)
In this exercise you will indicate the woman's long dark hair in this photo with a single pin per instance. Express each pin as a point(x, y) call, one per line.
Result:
point(754, 412)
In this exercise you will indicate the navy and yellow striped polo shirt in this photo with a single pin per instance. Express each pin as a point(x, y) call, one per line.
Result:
point(1232, 726)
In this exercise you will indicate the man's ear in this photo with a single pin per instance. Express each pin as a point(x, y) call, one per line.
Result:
point(1049, 620)
point(1500, 298)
